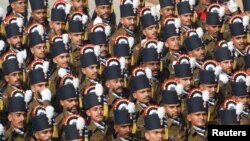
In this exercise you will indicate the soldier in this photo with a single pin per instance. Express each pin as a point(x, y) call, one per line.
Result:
point(154, 128)
point(95, 110)
point(197, 117)
point(17, 8)
point(167, 9)
point(42, 127)
point(175, 121)
point(149, 26)
point(246, 7)
point(16, 109)
point(58, 22)
point(79, 5)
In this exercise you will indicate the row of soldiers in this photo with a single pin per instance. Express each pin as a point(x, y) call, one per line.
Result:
point(165, 72)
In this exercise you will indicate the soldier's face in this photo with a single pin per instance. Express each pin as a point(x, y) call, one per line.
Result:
point(186, 82)
point(39, 15)
point(129, 22)
point(240, 41)
point(173, 43)
point(44, 135)
point(37, 88)
point(103, 11)
point(15, 41)
point(14, 78)
point(78, 5)
point(198, 53)
point(172, 110)
point(104, 50)
point(227, 66)
point(143, 95)
point(39, 51)
point(154, 66)
point(70, 105)
point(167, 11)
point(150, 32)
point(58, 27)
point(62, 60)
point(243, 99)
point(213, 30)
point(91, 72)
point(154, 135)
point(123, 130)
point(17, 119)
point(198, 118)
point(76, 38)
point(19, 6)
point(95, 113)
point(115, 85)
point(186, 19)
point(211, 88)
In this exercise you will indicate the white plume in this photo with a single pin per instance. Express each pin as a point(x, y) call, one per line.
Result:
point(24, 52)
point(80, 123)
point(97, 20)
point(191, 2)
point(179, 89)
point(67, 8)
point(40, 30)
point(205, 95)
point(76, 83)
point(107, 30)
point(28, 96)
point(19, 22)
point(45, 66)
point(65, 38)
point(136, 3)
point(19, 57)
point(200, 32)
point(161, 112)
point(131, 107)
point(177, 22)
point(239, 108)
point(98, 89)
point(2, 45)
point(97, 50)
point(245, 21)
point(84, 19)
point(46, 95)
point(1, 12)
point(217, 70)
point(223, 78)
point(148, 72)
point(232, 6)
point(122, 63)
point(1, 130)
point(221, 11)
point(160, 46)
point(230, 46)
point(248, 81)
point(192, 62)
point(62, 72)
point(49, 112)
point(131, 42)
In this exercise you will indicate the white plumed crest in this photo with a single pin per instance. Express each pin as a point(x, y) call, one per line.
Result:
point(45, 66)
point(67, 8)
point(65, 38)
point(131, 107)
point(131, 42)
point(49, 112)
point(223, 78)
point(84, 19)
point(2, 45)
point(160, 46)
point(122, 63)
point(1, 12)
point(107, 30)
point(24, 52)
point(177, 22)
point(221, 11)
point(136, 3)
point(248, 81)
point(1, 129)
point(245, 21)
point(98, 89)
point(230, 46)
point(179, 89)
point(192, 62)
point(97, 50)
point(19, 22)
point(205, 95)
point(192, 2)
point(76, 83)
point(232, 6)
point(148, 72)
point(200, 32)
point(40, 30)
point(217, 70)
point(27, 96)
point(97, 20)
point(161, 112)
point(155, 11)
point(80, 123)
point(19, 57)
point(239, 108)
point(46, 94)
point(62, 72)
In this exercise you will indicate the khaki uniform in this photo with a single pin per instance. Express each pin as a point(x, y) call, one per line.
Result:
point(59, 122)
point(245, 120)
point(194, 136)
point(6, 94)
point(97, 135)
point(12, 135)
point(175, 132)
point(75, 56)
point(35, 103)
point(140, 132)
point(211, 44)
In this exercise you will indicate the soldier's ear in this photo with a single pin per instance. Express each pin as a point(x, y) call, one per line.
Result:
point(134, 95)
point(10, 117)
point(32, 88)
point(54, 60)
point(206, 27)
point(166, 43)
point(62, 102)
point(115, 128)
point(88, 113)
point(8, 40)
point(32, 50)
point(36, 135)
point(6, 78)
point(189, 117)
point(144, 32)
point(70, 36)
point(107, 84)
point(83, 71)
point(147, 135)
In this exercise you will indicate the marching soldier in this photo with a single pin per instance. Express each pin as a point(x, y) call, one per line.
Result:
point(58, 22)
point(167, 10)
point(17, 8)
point(154, 128)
